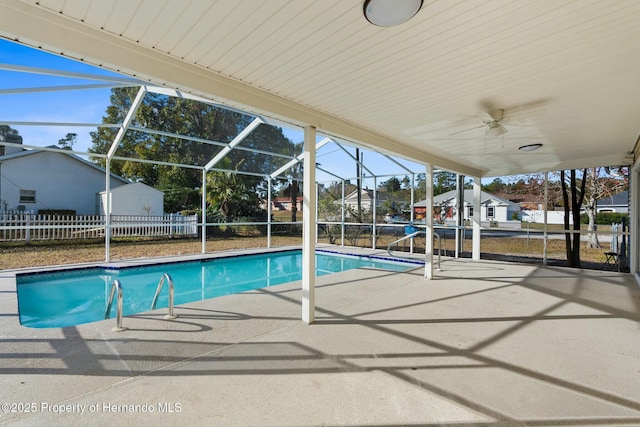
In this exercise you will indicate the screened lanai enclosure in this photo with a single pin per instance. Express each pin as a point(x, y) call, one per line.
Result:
point(424, 95)
point(216, 145)
point(230, 176)
point(243, 176)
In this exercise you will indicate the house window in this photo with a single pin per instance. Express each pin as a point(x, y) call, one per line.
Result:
point(27, 196)
point(491, 211)
point(470, 211)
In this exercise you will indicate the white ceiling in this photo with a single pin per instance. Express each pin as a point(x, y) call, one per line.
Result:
point(566, 72)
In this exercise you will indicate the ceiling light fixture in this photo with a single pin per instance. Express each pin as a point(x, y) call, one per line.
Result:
point(495, 129)
point(530, 147)
point(387, 13)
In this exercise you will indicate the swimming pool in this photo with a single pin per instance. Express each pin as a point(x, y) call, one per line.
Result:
point(72, 297)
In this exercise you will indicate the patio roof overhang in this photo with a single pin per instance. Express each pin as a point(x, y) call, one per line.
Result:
point(561, 75)
point(564, 73)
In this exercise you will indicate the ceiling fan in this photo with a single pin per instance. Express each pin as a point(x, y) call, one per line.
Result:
point(493, 127)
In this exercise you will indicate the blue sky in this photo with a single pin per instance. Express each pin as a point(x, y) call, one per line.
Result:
point(72, 106)
point(88, 106)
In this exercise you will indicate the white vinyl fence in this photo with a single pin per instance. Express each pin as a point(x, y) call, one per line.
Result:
point(28, 227)
point(537, 216)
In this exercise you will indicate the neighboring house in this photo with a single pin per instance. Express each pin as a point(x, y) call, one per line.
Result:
point(492, 208)
point(366, 200)
point(525, 201)
point(284, 203)
point(133, 199)
point(5, 150)
point(617, 203)
point(33, 180)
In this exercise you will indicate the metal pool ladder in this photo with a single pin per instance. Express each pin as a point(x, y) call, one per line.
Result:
point(411, 236)
point(116, 285)
point(167, 278)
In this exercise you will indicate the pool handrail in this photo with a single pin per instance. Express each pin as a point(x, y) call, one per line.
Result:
point(116, 285)
point(411, 236)
point(165, 277)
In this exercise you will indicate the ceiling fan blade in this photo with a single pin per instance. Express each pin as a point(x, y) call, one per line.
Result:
point(467, 130)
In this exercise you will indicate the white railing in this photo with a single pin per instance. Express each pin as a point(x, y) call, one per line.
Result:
point(29, 227)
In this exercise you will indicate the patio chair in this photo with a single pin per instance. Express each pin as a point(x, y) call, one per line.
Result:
point(612, 261)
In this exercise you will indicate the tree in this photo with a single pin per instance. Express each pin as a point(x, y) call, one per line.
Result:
point(225, 193)
point(397, 195)
point(445, 181)
point(8, 134)
point(406, 183)
point(329, 210)
point(68, 141)
point(292, 191)
point(600, 184)
point(496, 186)
point(391, 185)
point(191, 119)
point(420, 191)
point(576, 187)
point(229, 195)
point(7, 131)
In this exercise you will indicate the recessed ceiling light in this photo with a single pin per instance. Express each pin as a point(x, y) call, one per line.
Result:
point(530, 147)
point(387, 13)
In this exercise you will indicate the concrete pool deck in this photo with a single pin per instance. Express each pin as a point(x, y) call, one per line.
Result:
point(484, 343)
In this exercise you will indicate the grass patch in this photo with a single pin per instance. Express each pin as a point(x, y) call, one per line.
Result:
point(35, 254)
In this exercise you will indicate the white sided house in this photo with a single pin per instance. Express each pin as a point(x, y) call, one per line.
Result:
point(618, 203)
point(133, 199)
point(366, 200)
point(34, 180)
point(492, 208)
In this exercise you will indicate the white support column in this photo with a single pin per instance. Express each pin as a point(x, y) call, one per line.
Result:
point(413, 184)
point(107, 212)
point(428, 222)
point(374, 212)
point(412, 215)
point(342, 216)
point(459, 214)
point(546, 237)
point(634, 221)
point(204, 211)
point(309, 226)
point(269, 189)
point(475, 240)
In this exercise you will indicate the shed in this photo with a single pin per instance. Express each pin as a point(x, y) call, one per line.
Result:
point(133, 199)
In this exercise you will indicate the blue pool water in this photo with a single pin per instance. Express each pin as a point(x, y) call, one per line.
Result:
point(72, 297)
